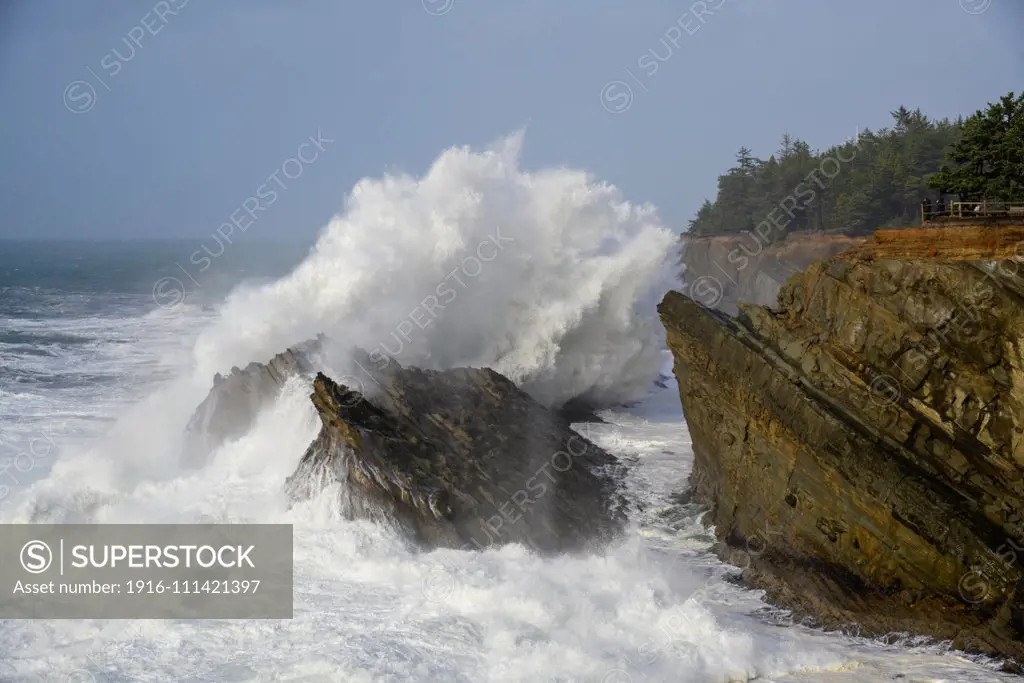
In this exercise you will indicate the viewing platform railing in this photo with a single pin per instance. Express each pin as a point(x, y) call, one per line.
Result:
point(977, 209)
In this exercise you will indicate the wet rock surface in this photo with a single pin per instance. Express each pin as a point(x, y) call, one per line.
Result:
point(235, 401)
point(866, 436)
point(461, 458)
point(457, 458)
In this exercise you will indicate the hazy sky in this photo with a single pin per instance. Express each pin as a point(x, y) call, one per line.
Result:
point(168, 135)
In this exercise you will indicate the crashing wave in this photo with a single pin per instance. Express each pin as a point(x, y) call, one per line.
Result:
point(544, 276)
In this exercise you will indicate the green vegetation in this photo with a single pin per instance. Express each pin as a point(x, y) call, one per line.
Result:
point(988, 157)
point(876, 181)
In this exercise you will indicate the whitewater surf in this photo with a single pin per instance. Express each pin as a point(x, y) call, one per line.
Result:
point(547, 276)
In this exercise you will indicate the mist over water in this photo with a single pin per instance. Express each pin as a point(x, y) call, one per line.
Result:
point(561, 303)
point(544, 276)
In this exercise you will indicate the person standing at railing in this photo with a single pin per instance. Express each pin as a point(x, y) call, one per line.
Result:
point(940, 207)
point(926, 209)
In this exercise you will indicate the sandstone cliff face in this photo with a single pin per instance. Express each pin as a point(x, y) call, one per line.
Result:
point(727, 270)
point(867, 436)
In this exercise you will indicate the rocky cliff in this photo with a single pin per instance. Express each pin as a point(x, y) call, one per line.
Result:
point(866, 435)
point(724, 271)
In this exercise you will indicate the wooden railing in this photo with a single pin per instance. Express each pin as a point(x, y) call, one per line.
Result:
point(984, 208)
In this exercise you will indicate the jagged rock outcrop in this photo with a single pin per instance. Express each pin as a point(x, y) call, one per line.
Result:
point(726, 270)
point(461, 458)
point(235, 401)
point(456, 458)
point(866, 436)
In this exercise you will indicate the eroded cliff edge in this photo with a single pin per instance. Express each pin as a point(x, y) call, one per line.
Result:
point(867, 435)
point(727, 270)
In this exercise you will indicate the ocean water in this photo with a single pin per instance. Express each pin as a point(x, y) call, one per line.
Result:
point(98, 377)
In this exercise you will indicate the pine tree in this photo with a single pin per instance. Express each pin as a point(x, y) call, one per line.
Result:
point(882, 178)
point(987, 161)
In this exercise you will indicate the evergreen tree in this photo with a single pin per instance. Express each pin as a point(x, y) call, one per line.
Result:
point(876, 181)
point(988, 160)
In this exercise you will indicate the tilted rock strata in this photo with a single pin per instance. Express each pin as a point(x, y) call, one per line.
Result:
point(456, 458)
point(727, 270)
point(235, 401)
point(461, 458)
point(991, 241)
point(866, 437)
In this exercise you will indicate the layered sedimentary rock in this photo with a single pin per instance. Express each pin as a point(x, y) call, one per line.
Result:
point(724, 271)
point(235, 401)
point(461, 458)
point(866, 436)
point(962, 242)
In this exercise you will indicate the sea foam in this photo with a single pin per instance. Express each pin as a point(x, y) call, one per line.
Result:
point(544, 276)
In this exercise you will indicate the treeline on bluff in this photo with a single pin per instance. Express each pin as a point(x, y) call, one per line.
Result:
point(876, 181)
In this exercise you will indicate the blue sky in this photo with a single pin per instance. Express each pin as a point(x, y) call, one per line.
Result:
point(181, 125)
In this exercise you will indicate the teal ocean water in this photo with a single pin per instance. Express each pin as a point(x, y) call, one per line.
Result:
point(107, 348)
point(85, 326)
